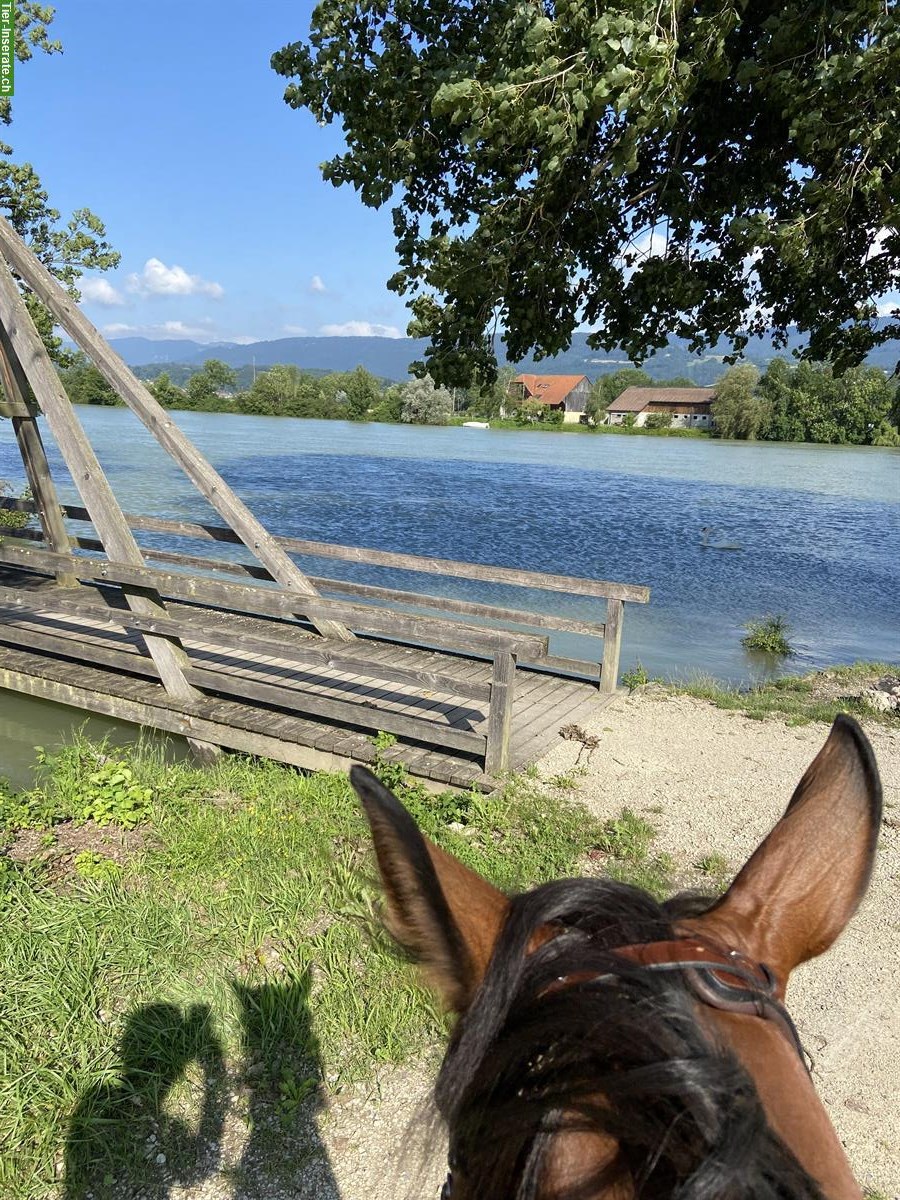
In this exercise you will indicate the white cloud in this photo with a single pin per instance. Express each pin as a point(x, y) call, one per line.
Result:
point(887, 305)
point(360, 329)
point(294, 330)
point(316, 284)
point(651, 244)
point(157, 279)
point(100, 291)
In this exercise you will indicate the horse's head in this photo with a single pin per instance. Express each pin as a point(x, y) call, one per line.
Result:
point(611, 1046)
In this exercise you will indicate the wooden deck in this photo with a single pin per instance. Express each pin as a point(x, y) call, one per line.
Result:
point(256, 702)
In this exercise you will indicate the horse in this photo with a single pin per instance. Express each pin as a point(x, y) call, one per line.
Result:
point(610, 1046)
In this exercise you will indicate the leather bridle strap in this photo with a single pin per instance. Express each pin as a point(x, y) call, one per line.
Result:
point(724, 979)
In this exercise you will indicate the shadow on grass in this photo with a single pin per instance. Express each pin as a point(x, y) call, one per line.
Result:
point(254, 1128)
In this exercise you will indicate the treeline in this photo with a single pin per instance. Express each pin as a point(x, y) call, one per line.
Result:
point(279, 391)
point(808, 403)
point(802, 403)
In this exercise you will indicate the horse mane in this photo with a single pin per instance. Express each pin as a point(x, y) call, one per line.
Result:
point(570, 1037)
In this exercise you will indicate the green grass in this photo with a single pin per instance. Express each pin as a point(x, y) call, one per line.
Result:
point(234, 949)
point(627, 841)
point(798, 699)
point(768, 635)
point(636, 677)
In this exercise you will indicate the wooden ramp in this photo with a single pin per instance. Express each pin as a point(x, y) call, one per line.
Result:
point(256, 702)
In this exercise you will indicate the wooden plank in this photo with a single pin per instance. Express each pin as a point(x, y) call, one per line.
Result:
point(346, 713)
point(224, 723)
point(341, 587)
point(150, 412)
point(368, 716)
point(278, 602)
point(573, 585)
point(612, 645)
point(85, 469)
point(503, 683)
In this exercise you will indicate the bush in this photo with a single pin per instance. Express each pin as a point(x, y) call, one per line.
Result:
point(11, 518)
point(659, 421)
point(769, 634)
point(636, 677)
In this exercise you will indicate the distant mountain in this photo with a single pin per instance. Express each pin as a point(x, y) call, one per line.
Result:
point(389, 358)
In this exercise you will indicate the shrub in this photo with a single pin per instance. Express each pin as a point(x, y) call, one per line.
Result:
point(768, 634)
point(660, 420)
point(10, 518)
point(112, 796)
point(636, 677)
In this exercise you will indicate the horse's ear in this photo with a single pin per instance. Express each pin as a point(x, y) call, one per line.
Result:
point(804, 882)
point(443, 913)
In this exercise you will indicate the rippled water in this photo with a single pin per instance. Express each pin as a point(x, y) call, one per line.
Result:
point(818, 526)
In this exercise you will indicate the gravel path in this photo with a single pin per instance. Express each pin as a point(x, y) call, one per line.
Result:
point(709, 781)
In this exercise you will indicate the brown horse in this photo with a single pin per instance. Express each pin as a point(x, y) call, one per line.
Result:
point(610, 1046)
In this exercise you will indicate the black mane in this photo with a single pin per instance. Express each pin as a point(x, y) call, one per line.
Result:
point(614, 1048)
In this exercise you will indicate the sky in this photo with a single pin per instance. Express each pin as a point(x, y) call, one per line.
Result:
point(167, 121)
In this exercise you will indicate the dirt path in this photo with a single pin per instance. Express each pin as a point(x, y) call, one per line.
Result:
point(709, 781)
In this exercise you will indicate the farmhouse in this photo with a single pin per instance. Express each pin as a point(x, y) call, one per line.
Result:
point(568, 393)
point(688, 407)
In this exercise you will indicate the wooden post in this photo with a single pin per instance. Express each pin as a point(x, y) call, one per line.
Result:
point(612, 645)
point(204, 477)
point(503, 683)
point(34, 458)
point(99, 499)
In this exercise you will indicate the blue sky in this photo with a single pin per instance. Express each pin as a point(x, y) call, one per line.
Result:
point(167, 120)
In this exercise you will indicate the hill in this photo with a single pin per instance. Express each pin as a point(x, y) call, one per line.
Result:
point(389, 358)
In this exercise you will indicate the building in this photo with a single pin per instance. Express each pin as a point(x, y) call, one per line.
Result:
point(689, 408)
point(568, 393)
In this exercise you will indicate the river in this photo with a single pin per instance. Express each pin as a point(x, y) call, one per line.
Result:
point(818, 527)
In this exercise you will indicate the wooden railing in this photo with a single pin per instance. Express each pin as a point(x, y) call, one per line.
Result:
point(366, 609)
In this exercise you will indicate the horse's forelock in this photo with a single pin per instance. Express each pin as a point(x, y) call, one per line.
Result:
point(618, 1052)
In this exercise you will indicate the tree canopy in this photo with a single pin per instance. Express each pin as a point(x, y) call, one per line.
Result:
point(645, 169)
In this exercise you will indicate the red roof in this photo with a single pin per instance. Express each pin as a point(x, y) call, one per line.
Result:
point(636, 399)
point(549, 389)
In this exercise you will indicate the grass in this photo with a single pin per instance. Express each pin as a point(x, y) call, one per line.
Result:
point(636, 677)
point(768, 635)
point(232, 949)
point(798, 699)
point(626, 841)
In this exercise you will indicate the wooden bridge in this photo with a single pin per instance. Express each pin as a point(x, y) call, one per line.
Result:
point(255, 655)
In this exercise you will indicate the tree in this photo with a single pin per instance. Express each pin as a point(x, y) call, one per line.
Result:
point(809, 404)
point(362, 391)
point(647, 170)
point(739, 411)
point(67, 249)
point(164, 390)
point(425, 404)
point(221, 377)
point(85, 385)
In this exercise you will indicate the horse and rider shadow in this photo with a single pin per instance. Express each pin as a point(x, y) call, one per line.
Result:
point(123, 1141)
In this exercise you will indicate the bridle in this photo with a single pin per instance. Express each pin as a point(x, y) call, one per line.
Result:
point(720, 978)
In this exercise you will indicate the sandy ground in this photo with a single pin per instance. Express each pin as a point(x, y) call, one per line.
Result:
point(709, 781)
